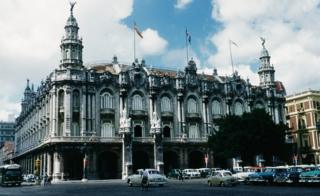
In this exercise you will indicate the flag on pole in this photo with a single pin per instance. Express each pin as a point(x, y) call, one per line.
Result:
point(137, 30)
point(188, 37)
point(232, 42)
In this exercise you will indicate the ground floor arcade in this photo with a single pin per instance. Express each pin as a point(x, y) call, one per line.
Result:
point(105, 161)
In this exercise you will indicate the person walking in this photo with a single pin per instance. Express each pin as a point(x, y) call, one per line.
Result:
point(144, 182)
point(180, 175)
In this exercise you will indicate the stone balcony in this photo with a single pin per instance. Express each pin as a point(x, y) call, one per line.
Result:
point(193, 115)
point(138, 113)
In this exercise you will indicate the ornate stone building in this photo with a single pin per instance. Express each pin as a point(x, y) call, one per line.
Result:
point(106, 120)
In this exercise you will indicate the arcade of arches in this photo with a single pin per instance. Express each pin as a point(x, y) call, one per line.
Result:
point(105, 162)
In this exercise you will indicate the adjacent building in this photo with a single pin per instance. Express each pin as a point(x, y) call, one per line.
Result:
point(106, 120)
point(303, 118)
point(7, 130)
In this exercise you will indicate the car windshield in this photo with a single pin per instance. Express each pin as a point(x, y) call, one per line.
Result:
point(154, 172)
point(13, 172)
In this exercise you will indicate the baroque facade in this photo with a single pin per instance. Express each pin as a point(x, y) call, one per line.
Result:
point(303, 118)
point(106, 120)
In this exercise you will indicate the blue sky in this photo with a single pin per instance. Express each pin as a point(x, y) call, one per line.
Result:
point(31, 31)
point(172, 22)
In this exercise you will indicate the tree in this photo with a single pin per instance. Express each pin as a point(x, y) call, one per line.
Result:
point(247, 136)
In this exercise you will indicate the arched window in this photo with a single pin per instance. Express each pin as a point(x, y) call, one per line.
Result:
point(106, 100)
point(165, 104)
point(137, 102)
point(76, 99)
point(61, 98)
point(238, 108)
point(192, 105)
point(193, 131)
point(216, 108)
point(107, 129)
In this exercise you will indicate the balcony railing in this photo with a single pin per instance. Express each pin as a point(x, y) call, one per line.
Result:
point(141, 113)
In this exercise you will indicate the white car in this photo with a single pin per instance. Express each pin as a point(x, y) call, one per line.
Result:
point(154, 178)
point(191, 173)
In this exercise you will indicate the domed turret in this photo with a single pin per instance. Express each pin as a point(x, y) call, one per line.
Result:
point(266, 70)
point(71, 45)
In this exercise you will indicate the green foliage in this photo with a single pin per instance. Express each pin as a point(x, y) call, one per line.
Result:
point(246, 136)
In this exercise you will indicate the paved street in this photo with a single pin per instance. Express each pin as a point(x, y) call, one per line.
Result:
point(186, 188)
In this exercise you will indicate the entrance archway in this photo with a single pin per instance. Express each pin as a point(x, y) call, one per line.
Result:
point(166, 131)
point(137, 131)
point(196, 159)
point(108, 165)
point(170, 160)
point(73, 164)
point(140, 160)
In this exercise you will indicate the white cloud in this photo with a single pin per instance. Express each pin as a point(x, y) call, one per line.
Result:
point(182, 4)
point(291, 30)
point(177, 58)
point(151, 43)
point(30, 34)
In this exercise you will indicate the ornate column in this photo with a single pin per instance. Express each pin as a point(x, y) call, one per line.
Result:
point(83, 112)
point(67, 112)
point(92, 174)
point(57, 166)
point(126, 134)
point(157, 148)
point(205, 115)
point(49, 163)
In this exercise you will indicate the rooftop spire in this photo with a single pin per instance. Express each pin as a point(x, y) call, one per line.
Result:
point(72, 4)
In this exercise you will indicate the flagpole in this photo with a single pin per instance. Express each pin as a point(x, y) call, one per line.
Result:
point(134, 41)
point(231, 57)
point(187, 46)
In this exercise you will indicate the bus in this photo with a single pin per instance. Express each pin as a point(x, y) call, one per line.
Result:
point(11, 174)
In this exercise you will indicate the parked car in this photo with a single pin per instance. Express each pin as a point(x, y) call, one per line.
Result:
point(29, 177)
point(173, 173)
point(310, 176)
point(267, 176)
point(154, 178)
point(222, 178)
point(247, 170)
point(191, 173)
point(292, 175)
point(204, 172)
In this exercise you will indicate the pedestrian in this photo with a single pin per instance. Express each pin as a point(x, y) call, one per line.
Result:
point(45, 180)
point(180, 175)
point(144, 182)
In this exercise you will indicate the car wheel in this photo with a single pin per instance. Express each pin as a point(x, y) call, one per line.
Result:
point(130, 183)
point(210, 183)
point(222, 184)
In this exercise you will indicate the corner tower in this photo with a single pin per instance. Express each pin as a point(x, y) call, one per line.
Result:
point(71, 45)
point(266, 70)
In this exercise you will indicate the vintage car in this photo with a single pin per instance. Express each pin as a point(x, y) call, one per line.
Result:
point(310, 176)
point(248, 170)
point(173, 173)
point(191, 173)
point(154, 178)
point(222, 178)
point(291, 175)
point(267, 176)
